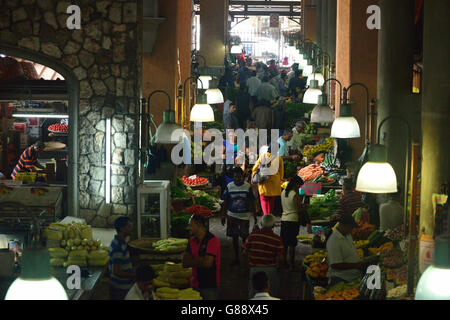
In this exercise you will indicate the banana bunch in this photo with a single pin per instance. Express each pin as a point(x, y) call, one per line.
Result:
point(325, 147)
point(176, 294)
point(361, 243)
point(172, 275)
point(315, 257)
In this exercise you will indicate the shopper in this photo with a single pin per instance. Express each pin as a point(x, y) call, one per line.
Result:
point(203, 256)
point(291, 73)
point(279, 115)
point(270, 167)
point(343, 259)
point(261, 286)
point(238, 203)
point(294, 215)
point(283, 141)
point(242, 102)
point(266, 92)
point(28, 160)
point(391, 212)
point(351, 199)
point(281, 84)
point(231, 119)
point(253, 84)
point(121, 274)
point(265, 252)
point(263, 115)
point(297, 84)
point(143, 288)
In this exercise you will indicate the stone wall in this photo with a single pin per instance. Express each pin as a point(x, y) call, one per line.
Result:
point(104, 56)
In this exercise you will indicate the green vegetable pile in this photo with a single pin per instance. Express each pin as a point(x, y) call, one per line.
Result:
point(323, 207)
point(290, 169)
point(297, 111)
point(178, 192)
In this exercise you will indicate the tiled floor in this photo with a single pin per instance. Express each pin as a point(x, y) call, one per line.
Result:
point(234, 281)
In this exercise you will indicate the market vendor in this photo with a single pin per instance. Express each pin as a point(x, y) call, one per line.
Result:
point(296, 143)
point(343, 259)
point(318, 157)
point(203, 256)
point(28, 160)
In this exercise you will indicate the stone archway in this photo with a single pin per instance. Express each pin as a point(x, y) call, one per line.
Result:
point(73, 88)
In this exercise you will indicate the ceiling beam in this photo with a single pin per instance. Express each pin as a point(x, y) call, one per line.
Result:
point(266, 3)
point(265, 13)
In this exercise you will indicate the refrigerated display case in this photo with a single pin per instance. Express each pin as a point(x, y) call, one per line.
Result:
point(153, 219)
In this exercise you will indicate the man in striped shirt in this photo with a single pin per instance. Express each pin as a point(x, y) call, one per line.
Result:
point(351, 200)
point(266, 252)
point(28, 159)
point(119, 266)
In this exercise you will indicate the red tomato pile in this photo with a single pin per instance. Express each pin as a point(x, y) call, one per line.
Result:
point(194, 182)
point(200, 210)
point(57, 127)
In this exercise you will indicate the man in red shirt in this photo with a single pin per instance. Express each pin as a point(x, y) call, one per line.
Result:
point(203, 256)
point(265, 252)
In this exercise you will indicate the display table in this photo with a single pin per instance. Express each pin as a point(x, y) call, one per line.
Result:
point(36, 198)
point(84, 293)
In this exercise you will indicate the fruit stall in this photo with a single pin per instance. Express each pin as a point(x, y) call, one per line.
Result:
point(387, 250)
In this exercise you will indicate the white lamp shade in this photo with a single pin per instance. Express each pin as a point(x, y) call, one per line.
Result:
point(236, 49)
point(214, 96)
point(48, 289)
point(164, 133)
point(434, 284)
point(312, 96)
point(376, 177)
point(345, 128)
point(322, 114)
point(203, 82)
point(316, 76)
point(307, 70)
point(202, 113)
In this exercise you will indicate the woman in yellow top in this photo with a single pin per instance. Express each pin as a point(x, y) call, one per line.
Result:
point(271, 188)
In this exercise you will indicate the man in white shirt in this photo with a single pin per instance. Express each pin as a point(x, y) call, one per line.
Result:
point(266, 91)
point(291, 73)
point(262, 287)
point(142, 289)
point(253, 84)
point(296, 143)
point(343, 259)
point(391, 213)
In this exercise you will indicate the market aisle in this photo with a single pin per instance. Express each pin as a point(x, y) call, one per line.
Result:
point(234, 281)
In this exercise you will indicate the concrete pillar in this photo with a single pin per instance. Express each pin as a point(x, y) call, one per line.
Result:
point(324, 28)
point(331, 24)
point(213, 30)
point(309, 20)
point(319, 22)
point(395, 97)
point(356, 60)
point(435, 106)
